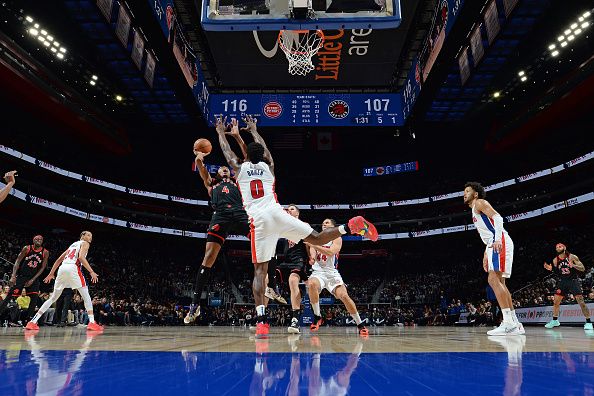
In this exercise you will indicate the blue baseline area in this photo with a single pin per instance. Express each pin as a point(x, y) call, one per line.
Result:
point(153, 373)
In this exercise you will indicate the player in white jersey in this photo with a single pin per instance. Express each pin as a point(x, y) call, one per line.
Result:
point(70, 276)
point(325, 275)
point(268, 220)
point(498, 257)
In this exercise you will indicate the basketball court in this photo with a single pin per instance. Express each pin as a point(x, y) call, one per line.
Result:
point(225, 360)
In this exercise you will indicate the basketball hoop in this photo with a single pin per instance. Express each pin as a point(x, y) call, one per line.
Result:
point(300, 46)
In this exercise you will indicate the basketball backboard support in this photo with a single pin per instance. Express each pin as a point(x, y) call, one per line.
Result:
point(246, 15)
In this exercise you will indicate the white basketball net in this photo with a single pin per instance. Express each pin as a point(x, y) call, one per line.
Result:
point(300, 46)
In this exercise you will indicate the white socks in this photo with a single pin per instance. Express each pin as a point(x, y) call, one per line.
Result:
point(357, 318)
point(260, 310)
point(316, 308)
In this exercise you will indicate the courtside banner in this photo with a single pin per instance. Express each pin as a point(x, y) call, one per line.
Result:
point(571, 313)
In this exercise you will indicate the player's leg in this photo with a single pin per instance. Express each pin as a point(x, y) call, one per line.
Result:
point(84, 293)
point(580, 299)
point(294, 279)
point(556, 305)
point(341, 293)
point(272, 290)
point(315, 285)
point(213, 247)
point(32, 325)
point(259, 290)
point(496, 266)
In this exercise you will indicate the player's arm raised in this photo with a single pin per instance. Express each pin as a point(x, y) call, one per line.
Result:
point(17, 264)
point(10, 180)
point(204, 175)
point(230, 156)
point(41, 269)
point(252, 128)
point(82, 256)
point(57, 263)
point(486, 208)
point(576, 262)
point(235, 133)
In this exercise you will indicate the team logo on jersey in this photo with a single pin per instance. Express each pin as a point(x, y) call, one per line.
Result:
point(338, 109)
point(273, 109)
point(215, 227)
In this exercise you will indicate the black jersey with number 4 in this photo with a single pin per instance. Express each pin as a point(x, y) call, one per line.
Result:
point(31, 263)
point(225, 196)
point(295, 253)
point(565, 269)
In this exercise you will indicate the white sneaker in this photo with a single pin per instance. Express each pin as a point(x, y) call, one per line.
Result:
point(294, 327)
point(191, 316)
point(273, 295)
point(504, 329)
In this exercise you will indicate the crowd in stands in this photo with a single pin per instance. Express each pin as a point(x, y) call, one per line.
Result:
point(144, 286)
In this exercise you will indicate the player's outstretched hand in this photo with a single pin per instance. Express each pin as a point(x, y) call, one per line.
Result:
point(199, 156)
point(234, 126)
point(250, 122)
point(48, 278)
point(94, 277)
point(220, 124)
point(548, 266)
point(9, 177)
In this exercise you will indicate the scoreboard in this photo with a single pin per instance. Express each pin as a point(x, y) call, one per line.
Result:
point(311, 109)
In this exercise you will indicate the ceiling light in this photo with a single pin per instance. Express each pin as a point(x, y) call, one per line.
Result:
point(46, 43)
point(43, 32)
point(63, 50)
point(29, 19)
point(36, 26)
point(585, 24)
point(496, 94)
point(524, 78)
point(552, 47)
point(50, 38)
point(34, 32)
point(564, 44)
point(560, 38)
point(41, 38)
point(573, 26)
point(580, 19)
point(53, 49)
point(521, 73)
point(94, 77)
point(567, 31)
point(119, 98)
point(570, 37)
point(92, 82)
point(60, 56)
point(56, 44)
point(555, 53)
point(577, 31)
point(586, 14)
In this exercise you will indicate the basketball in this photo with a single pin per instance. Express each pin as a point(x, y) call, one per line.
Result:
point(203, 145)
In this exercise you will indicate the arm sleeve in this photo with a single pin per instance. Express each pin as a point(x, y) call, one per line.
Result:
point(498, 224)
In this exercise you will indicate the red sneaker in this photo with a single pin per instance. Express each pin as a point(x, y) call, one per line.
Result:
point(359, 226)
point(31, 326)
point(315, 326)
point(363, 332)
point(262, 329)
point(94, 327)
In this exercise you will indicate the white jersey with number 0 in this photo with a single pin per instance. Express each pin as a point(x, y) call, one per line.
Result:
point(72, 255)
point(256, 183)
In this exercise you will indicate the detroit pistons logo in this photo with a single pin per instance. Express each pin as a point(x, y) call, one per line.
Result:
point(273, 109)
point(338, 109)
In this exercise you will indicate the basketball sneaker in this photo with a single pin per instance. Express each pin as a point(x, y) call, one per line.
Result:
point(193, 314)
point(318, 321)
point(359, 226)
point(94, 327)
point(552, 323)
point(588, 326)
point(32, 326)
point(262, 330)
point(521, 328)
point(505, 329)
point(294, 327)
point(273, 295)
point(363, 332)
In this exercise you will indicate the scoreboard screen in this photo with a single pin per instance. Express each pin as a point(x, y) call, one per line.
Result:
point(311, 109)
point(391, 169)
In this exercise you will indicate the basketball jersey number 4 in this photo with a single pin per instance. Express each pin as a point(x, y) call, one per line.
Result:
point(257, 189)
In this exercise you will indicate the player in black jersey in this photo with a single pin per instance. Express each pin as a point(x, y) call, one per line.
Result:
point(568, 267)
point(28, 267)
point(228, 217)
point(295, 268)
